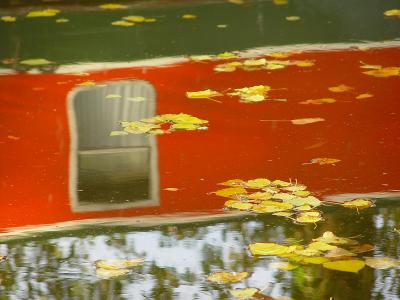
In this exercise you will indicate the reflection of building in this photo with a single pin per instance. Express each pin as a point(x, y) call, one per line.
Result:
point(111, 172)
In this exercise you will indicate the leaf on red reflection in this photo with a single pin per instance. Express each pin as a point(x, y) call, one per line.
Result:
point(340, 88)
point(305, 121)
point(227, 277)
point(227, 55)
point(87, 83)
point(304, 63)
point(112, 6)
point(205, 94)
point(12, 137)
point(232, 182)
point(201, 57)
point(359, 203)
point(251, 94)
point(384, 72)
point(280, 55)
point(319, 101)
point(171, 189)
point(324, 161)
point(62, 20)
point(392, 13)
point(364, 96)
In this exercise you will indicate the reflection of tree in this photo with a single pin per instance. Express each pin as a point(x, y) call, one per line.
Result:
point(62, 267)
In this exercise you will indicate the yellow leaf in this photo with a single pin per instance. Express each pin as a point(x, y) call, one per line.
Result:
point(224, 68)
point(227, 277)
point(352, 265)
point(117, 264)
point(118, 133)
point(62, 20)
point(150, 20)
point(280, 2)
point(269, 249)
point(35, 62)
point(257, 183)
point(87, 83)
point(134, 19)
point(43, 13)
point(295, 187)
point(260, 196)
point(202, 94)
point(315, 260)
point(243, 294)
point(200, 57)
point(339, 252)
point(304, 208)
point(292, 18)
point(358, 203)
point(329, 238)
point(109, 274)
point(308, 252)
point(392, 12)
point(381, 262)
point(384, 72)
point(283, 214)
point(255, 62)
point(309, 217)
point(283, 196)
point(184, 126)
point(301, 201)
point(8, 19)
point(227, 55)
point(189, 17)
point(112, 6)
point(304, 63)
point(222, 25)
point(306, 121)
point(301, 193)
point(156, 131)
point(319, 101)
point(122, 23)
point(324, 161)
point(284, 266)
point(230, 191)
point(281, 183)
point(271, 206)
point(238, 205)
point(271, 66)
point(239, 2)
point(171, 189)
point(138, 127)
point(280, 54)
point(182, 118)
point(364, 96)
point(232, 182)
point(321, 246)
point(340, 88)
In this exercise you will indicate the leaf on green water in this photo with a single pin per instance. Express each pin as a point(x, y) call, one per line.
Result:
point(35, 62)
point(122, 23)
point(364, 96)
point(352, 265)
point(243, 294)
point(319, 101)
point(43, 13)
point(118, 133)
point(238, 2)
point(134, 19)
point(362, 248)
point(228, 192)
point(8, 19)
point(384, 72)
point(305, 121)
point(150, 20)
point(238, 205)
point(340, 88)
point(62, 20)
point(227, 277)
point(283, 214)
point(309, 217)
point(292, 18)
point(339, 252)
point(392, 13)
point(359, 203)
point(308, 252)
point(315, 260)
point(112, 6)
point(284, 266)
point(329, 238)
point(268, 249)
point(189, 17)
point(257, 183)
point(381, 262)
point(109, 274)
point(203, 94)
point(321, 246)
point(324, 161)
point(118, 264)
point(222, 25)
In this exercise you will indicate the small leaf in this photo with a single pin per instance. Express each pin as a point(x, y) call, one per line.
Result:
point(309, 217)
point(364, 96)
point(306, 121)
point(35, 62)
point(200, 57)
point(118, 133)
point(112, 6)
point(353, 265)
point(189, 17)
point(321, 246)
point(243, 294)
point(340, 88)
point(62, 20)
point(358, 203)
point(109, 274)
point(43, 13)
point(392, 13)
point(329, 238)
point(381, 262)
point(134, 19)
point(339, 252)
point(284, 266)
point(171, 189)
point(292, 18)
point(227, 277)
point(117, 264)
point(269, 249)
point(8, 19)
point(232, 182)
point(315, 260)
point(238, 205)
point(227, 55)
point(325, 161)
point(319, 101)
point(228, 192)
point(283, 214)
point(202, 94)
point(301, 193)
point(184, 126)
point(384, 72)
point(257, 183)
point(260, 196)
point(122, 23)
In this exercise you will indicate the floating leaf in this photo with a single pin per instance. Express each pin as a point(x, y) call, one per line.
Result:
point(308, 252)
point(306, 121)
point(35, 62)
point(238, 205)
point(255, 62)
point(122, 23)
point(202, 94)
point(243, 294)
point(319, 101)
point(284, 266)
point(321, 246)
point(109, 274)
point(292, 18)
point(118, 133)
point(329, 238)
point(384, 72)
point(117, 264)
point(392, 13)
point(43, 13)
point(280, 55)
point(283, 214)
point(315, 260)
point(63, 20)
point(340, 88)
point(8, 19)
point(200, 57)
point(339, 252)
point(352, 265)
point(228, 192)
point(222, 25)
point(136, 99)
point(271, 66)
point(283, 196)
point(138, 127)
point(309, 217)
point(251, 94)
point(189, 17)
point(260, 196)
point(182, 118)
point(281, 183)
point(227, 277)
point(364, 96)
point(171, 189)
point(281, 2)
point(184, 126)
point(362, 248)
point(304, 208)
point(227, 55)
point(358, 203)
point(269, 249)
point(232, 182)
point(295, 188)
point(87, 83)
point(301, 193)
point(257, 183)
point(325, 161)
point(239, 2)
point(271, 206)
point(300, 201)
point(304, 63)
point(381, 262)
point(112, 6)
point(134, 19)
point(150, 20)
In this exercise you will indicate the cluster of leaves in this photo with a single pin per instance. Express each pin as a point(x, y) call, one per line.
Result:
point(111, 268)
point(129, 21)
point(281, 198)
point(380, 71)
point(333, 252)
point(157, 125)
